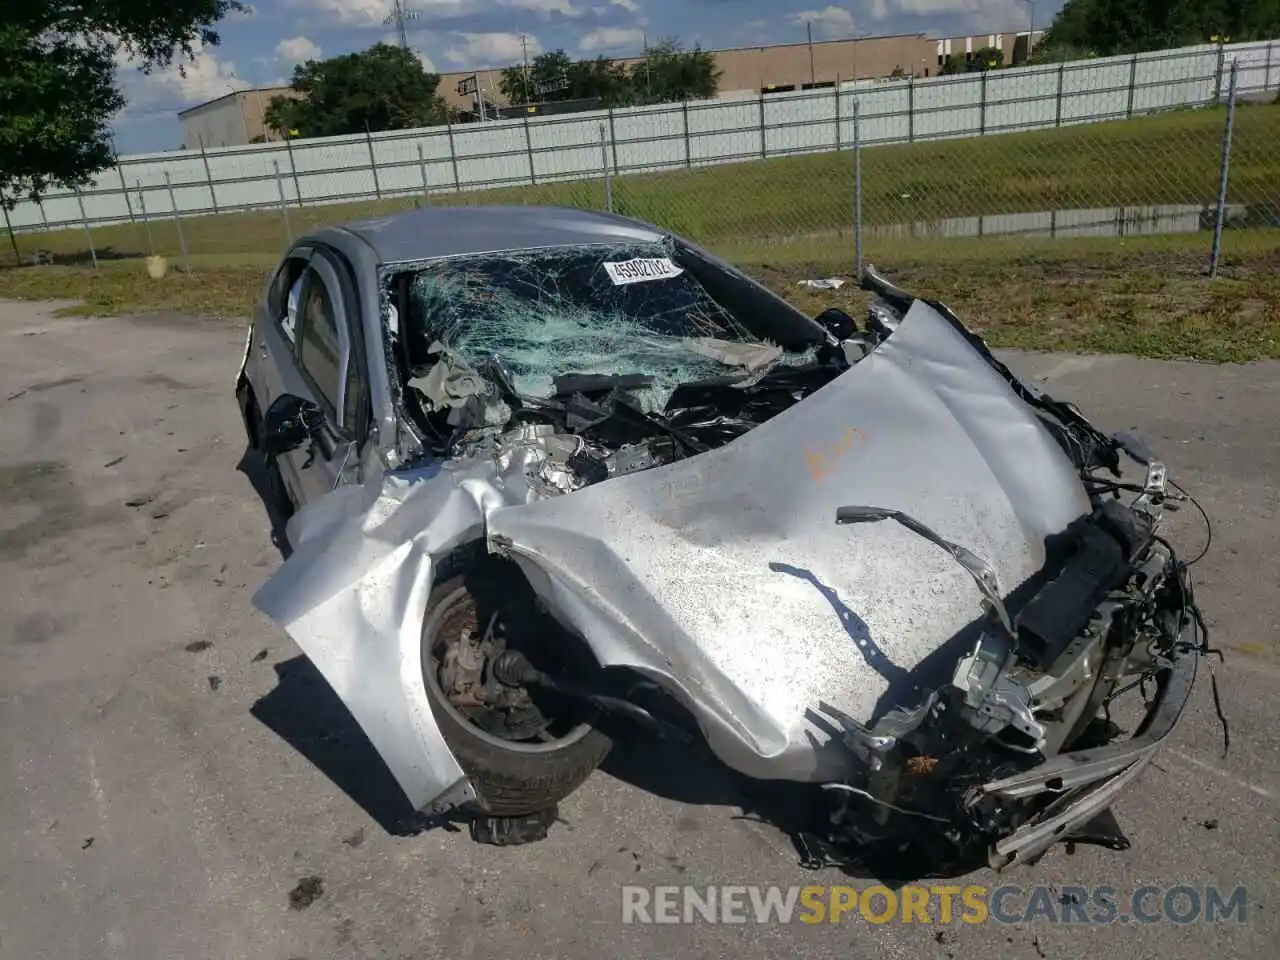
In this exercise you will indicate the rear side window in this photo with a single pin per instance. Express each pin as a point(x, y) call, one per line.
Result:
point(319, 352)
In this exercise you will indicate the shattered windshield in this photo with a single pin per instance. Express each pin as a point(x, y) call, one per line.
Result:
point(612, 309)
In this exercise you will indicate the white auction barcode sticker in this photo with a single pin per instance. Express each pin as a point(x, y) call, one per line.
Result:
point(641, 269)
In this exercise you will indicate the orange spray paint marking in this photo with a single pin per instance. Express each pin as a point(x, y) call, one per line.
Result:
point(822, 462)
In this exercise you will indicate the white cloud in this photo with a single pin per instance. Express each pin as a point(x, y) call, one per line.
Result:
point(355, 13)
point(879, 10)
point(629, 5)
point(984, 16)
point(490, 49)
point(925, 7)
point(202, 78)
point(610, 38)
point(373, 13)
point(297, 50)
point(545, 7)
point(829, 21)
point(161, 94)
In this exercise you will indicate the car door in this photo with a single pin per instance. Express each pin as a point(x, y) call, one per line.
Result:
point(329, 372)
point(274, 342)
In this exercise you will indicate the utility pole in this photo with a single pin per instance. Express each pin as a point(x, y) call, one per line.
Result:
point(648, 75)
point(524, 50)
point(809, 28)
point(1031, 25)
point(399, 15)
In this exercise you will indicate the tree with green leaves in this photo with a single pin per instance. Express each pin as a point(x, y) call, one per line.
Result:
point(545, 78)
point(667, 73)
point(58, 88)
point(1110, 27)
point(382, 88)
point(986, 58)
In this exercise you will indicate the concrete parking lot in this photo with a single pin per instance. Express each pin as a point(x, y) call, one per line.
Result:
point(171, 768)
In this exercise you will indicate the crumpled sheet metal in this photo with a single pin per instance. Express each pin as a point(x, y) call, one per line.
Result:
point(723, 576)
point(353, 594)
point(750, 356)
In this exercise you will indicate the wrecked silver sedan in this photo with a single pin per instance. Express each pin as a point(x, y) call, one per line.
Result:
point(559, 474)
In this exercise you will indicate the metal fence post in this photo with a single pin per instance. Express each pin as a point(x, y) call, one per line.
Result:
point(688, 153)
point(124, 188)
point(528, 145)
point(84, 218)
point(1217, 81)
point(284, 207)
point(1224, 173)
point(293, 169)
point(857, 187)
point(837, 113)
point(1057, 119)
point(911, 109)
point(613, 141)
point(764, 143)
point(13, 241)
point(213, 197)
point(177, 220)
point(422, 169)
point(982, 102)
point(1133, 76)
point(373, 166)
point(604, 162)
point(453, 157)
point(146, 221)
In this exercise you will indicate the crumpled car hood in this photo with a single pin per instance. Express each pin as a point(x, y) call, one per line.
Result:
point(726, 576)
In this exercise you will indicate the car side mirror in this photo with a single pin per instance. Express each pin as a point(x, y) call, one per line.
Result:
point(290, 422)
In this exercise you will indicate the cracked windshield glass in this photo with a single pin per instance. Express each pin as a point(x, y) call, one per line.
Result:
point(598, 310)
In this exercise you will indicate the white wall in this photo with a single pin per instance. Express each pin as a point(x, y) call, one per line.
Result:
point(510, 152)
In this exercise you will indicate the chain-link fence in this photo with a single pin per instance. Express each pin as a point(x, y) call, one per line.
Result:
point(1156, 144)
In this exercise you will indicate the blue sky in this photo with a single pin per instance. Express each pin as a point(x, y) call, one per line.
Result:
point(260, 46)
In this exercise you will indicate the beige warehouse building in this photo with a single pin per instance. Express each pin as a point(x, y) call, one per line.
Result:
point(230, 120)
point(237, 118)
point(800, 66)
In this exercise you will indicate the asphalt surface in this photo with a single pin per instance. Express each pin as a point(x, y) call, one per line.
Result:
point(171, 768)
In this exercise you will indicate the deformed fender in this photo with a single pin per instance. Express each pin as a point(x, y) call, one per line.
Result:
point(353, 594)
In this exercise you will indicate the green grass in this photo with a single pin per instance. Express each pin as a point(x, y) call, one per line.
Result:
point(1146, 296)
point(789, 218)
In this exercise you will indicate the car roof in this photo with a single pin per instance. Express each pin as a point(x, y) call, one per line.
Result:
point(427, 233)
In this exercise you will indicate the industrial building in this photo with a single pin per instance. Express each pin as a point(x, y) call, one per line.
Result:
point(230, 120)
point(237, 118)
point(776, 68)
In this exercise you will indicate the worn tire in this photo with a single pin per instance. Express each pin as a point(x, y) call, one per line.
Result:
point(507, 782)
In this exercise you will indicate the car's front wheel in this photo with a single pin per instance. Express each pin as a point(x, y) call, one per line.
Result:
point(523, 749)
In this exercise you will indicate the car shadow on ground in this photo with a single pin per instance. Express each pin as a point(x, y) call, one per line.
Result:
point(304, 711)
point(690, 773)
